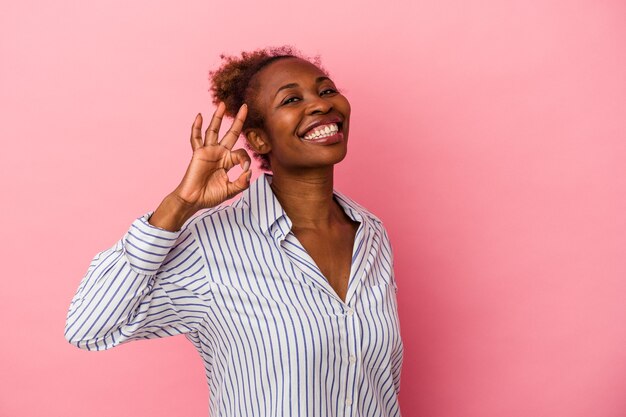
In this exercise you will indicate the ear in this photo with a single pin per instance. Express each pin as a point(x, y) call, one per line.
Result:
point(257, 139)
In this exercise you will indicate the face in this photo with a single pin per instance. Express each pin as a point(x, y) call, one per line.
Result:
point(306, 117)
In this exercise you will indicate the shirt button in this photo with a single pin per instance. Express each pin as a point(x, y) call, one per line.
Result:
point(348, 401)
point(352, 358)
point(350, 312)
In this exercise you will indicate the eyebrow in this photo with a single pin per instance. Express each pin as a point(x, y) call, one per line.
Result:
point(294, 85)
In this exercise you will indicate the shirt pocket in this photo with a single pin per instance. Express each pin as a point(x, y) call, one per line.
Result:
point(378, 296)
point(382, 327)
point(381, 279)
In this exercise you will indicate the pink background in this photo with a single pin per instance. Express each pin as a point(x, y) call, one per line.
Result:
point(488, 135)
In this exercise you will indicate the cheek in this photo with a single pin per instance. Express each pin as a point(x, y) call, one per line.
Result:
point(283, 125)
point(344, 106)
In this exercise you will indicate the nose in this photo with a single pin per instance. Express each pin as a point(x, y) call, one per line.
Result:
point(319, 105)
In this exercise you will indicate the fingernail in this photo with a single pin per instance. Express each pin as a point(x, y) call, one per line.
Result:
point(246, 165)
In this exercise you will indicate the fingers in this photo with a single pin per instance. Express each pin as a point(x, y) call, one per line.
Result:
point(240, 157)
point(212, 132)
point(196, 133)
point(235, 130)
point(241, 183)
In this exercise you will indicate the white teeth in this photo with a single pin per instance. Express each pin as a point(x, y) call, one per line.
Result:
point(324, 131)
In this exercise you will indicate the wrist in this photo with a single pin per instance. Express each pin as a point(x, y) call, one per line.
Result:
point(171, 214)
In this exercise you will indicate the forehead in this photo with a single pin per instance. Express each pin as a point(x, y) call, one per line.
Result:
point(286, 71)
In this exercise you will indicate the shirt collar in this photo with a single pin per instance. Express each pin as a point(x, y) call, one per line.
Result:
point(263, 203)
point(267, 210)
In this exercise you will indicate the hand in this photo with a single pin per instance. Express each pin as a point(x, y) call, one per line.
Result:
point(206, 183)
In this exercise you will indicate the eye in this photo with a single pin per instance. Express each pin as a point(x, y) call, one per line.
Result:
point(290, 100)
point(328, 91)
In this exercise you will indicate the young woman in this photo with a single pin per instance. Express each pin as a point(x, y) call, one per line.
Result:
point(288, 293)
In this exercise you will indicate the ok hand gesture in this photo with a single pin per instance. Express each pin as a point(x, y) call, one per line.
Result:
point(206, 183)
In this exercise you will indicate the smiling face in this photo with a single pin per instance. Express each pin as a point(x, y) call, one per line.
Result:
point(306, 119)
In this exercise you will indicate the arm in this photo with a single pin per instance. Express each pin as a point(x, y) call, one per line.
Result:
point(398, 351)
point(151, 283)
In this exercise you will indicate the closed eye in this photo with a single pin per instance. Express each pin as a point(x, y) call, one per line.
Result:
point(289, 100)
point(295, 98)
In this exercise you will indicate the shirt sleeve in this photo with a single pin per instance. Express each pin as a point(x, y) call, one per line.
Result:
point(398, 352)
point(397, 355)
point(150, 284)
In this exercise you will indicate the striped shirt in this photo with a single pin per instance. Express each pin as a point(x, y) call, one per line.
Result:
point(275, 338)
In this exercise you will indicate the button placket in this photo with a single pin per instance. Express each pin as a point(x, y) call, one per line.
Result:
point(353, 328)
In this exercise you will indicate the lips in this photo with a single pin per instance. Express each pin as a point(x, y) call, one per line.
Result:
point(320, 122)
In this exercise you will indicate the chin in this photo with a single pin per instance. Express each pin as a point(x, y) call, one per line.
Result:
point(330, 161)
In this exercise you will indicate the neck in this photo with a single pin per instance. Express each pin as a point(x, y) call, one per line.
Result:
point(307, 197)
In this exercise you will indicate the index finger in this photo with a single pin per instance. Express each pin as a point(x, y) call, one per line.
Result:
point(230, 138)
point(210, 136)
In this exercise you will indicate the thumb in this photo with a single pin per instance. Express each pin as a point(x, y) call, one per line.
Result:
point(241, 183)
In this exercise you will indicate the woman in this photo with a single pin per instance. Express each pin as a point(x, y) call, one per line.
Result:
point(288, 293)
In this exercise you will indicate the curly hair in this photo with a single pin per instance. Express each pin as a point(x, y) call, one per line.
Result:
point(231, 83)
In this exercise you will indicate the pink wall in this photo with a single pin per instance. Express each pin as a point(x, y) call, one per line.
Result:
point(488, 136)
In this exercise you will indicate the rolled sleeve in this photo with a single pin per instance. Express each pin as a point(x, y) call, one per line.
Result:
point(146, 246)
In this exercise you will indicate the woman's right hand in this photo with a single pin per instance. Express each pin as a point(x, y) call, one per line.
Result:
point(206, 182)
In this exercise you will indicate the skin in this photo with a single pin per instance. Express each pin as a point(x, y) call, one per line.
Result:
point(302, 170)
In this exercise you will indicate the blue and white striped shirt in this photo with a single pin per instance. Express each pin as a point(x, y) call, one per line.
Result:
point(275, 338)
